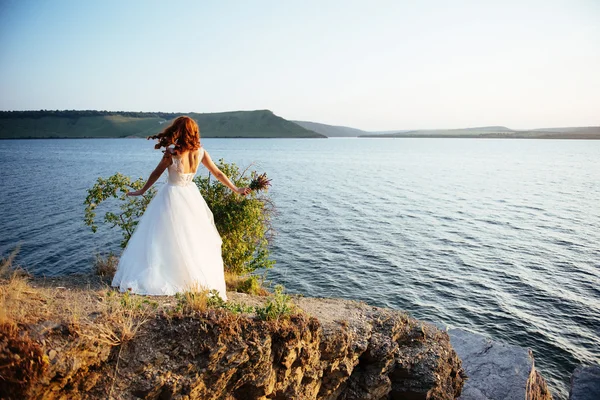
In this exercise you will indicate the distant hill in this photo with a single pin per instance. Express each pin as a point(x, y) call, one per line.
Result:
point(584, 132)
point(384, 132)
point(592, 132)
point(331, 130)
point(484, 130)
point(115, 124)
point(235, 124)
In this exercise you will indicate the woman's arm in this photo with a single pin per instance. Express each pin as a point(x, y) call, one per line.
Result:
point(210, 165)
point(160, 168)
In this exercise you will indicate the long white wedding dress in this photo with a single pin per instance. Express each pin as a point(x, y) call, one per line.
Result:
point(176, 246)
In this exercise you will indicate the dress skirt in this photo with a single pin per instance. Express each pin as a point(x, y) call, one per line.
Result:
point(175, 247)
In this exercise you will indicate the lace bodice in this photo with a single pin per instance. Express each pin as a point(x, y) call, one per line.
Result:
point(176, 176)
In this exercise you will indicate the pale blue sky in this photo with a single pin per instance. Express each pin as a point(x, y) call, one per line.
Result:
point(374, 65)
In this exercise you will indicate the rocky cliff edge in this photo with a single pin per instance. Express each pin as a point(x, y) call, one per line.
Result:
point(86, 341)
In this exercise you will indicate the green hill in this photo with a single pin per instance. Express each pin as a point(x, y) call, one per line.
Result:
point(257, 124)
point(115, 124)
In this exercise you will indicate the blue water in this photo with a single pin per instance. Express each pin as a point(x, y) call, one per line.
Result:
point(498, 236)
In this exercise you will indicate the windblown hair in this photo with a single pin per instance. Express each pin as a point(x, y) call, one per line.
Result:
point(183, 133)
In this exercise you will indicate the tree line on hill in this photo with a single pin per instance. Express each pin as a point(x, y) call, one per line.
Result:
point(85, 113)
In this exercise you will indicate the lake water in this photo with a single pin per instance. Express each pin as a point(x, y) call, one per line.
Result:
point(501, 237)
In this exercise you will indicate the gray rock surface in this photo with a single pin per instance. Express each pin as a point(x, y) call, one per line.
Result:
point(496, 370)
point(585, 383)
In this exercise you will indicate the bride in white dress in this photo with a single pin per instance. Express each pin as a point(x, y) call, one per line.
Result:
point(176, 246)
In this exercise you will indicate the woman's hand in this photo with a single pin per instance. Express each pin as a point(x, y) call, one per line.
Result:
point(242, 191)
point(136, 193)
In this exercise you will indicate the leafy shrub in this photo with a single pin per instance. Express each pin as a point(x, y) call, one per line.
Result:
point(132, 208)
point(244, 222)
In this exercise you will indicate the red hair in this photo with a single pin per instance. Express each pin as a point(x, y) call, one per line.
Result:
point(183, 133)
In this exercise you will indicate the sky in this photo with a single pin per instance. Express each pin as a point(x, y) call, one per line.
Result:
point(372, 65)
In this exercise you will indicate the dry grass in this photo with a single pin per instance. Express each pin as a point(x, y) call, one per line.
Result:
point(195, 299)
point(14, 290)
point(106, 266)
point(13, 293)
point(93, 310)
point(232, 281)
point(97, 313)
point(7, 266)
point(120, 317)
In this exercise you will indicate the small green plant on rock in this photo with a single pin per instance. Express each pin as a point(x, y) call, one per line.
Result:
point(202, 300)
point(216, 301)
point(279, 306)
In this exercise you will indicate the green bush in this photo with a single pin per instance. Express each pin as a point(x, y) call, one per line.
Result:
point(244, 222)
point(132, 208)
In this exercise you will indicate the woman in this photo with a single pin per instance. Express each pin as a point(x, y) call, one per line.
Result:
point(176, 246)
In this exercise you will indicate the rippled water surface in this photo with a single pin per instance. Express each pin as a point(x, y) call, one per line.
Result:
point(497, 236)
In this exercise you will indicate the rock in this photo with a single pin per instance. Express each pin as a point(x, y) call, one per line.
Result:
point(332, 349)
point(394, 356)
point(585, 383)
point(51, 354)
point(497, 370)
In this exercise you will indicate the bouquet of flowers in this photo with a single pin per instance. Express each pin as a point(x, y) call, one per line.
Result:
point(259, 182)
